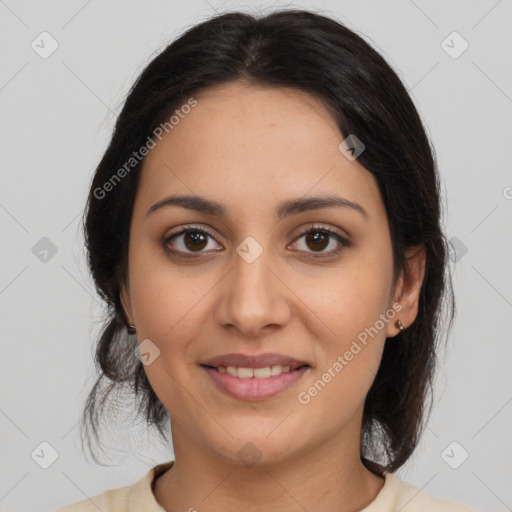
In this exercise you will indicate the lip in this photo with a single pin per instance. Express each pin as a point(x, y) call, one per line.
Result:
point(256, 361)
point(254, 388)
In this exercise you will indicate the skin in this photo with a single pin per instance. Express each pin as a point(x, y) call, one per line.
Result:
point(249, 148)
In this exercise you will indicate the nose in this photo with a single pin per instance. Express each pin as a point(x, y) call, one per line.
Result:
point(254, 298)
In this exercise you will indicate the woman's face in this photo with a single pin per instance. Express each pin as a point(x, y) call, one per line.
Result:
point(250, 282)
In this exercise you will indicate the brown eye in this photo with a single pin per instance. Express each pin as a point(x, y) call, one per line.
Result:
point(317, 239)
point(194, 240)
point(188, 241)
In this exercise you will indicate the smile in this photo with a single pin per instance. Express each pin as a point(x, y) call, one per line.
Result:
point(254, 383)
point(258, 373)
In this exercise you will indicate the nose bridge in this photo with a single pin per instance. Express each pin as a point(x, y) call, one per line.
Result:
point(252, 274)
point(253, 297)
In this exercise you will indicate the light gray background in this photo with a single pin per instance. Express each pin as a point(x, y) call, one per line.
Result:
point(57, 116)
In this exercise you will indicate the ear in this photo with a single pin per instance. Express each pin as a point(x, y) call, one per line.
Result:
point(126, 302)
point(407, 289)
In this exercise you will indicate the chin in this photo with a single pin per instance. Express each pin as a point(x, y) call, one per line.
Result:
point(257, 448)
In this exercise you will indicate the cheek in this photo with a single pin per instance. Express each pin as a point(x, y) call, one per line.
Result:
point(353, 296)
point(171, 305)
point(168, 308)
point(170, 313)
point(348, 361)
point(355, 307)
point(338, 392)
point(166, 297)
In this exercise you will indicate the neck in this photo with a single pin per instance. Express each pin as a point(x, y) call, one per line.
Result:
point(324, 479)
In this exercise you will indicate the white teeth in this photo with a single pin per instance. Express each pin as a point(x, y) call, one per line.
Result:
point(258, 373)
point(245, 373)
point(262, 373)
point(276, 369)
point(232, 371)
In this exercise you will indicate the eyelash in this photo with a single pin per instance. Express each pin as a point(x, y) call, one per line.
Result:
point(314, 229)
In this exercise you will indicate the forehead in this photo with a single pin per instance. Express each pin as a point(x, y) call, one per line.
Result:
point(253, 146)
point(233, 120)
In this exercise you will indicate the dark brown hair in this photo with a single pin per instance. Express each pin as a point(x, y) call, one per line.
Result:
point(318, 55)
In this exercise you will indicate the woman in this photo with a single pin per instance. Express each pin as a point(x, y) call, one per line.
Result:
point(265, 223)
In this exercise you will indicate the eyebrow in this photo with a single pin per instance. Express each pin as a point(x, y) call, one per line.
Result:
point(284, 208)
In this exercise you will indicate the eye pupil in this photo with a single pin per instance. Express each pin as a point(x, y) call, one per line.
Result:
point(316, 237)
point(196, 238)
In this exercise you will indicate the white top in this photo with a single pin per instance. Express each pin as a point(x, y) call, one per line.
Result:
point(394, 496)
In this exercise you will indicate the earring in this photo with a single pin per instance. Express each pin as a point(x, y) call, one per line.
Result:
point(130, 328)
point(399, 325)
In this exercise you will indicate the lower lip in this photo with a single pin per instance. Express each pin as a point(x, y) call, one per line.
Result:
point(253, 388)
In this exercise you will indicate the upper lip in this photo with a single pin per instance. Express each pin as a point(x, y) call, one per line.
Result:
point(257, 361)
